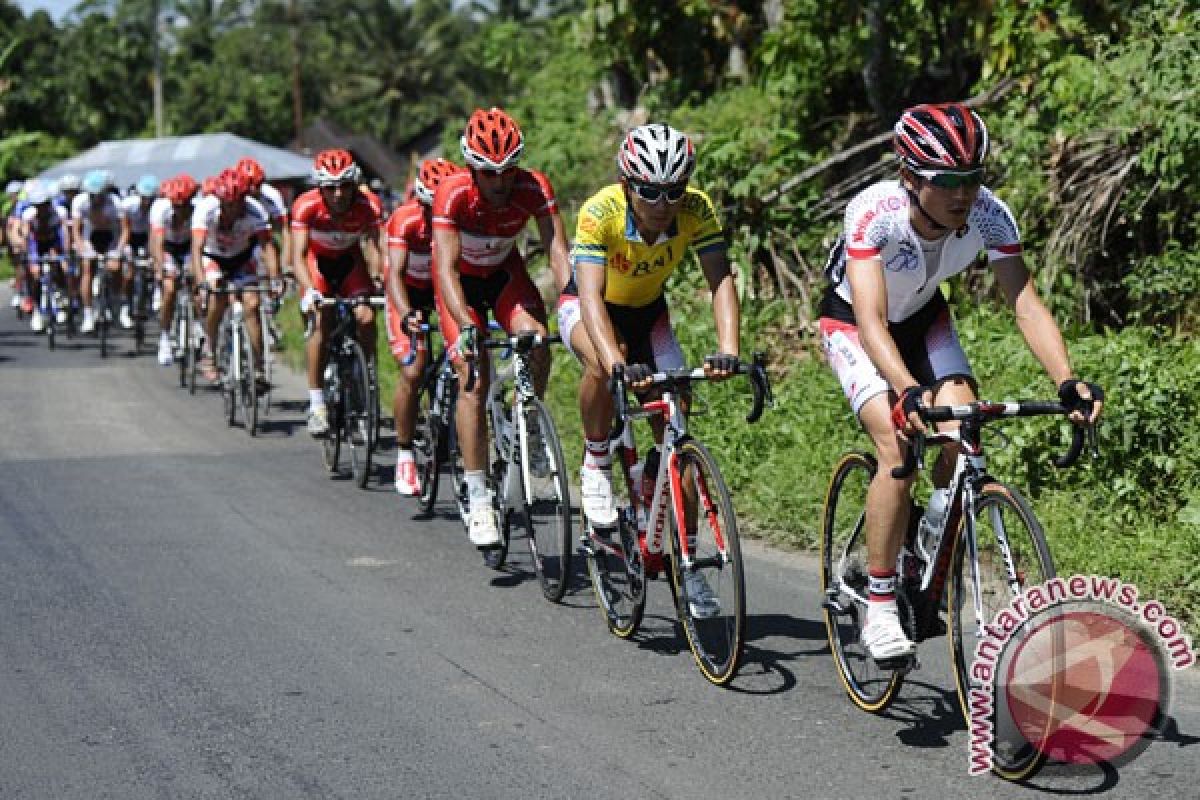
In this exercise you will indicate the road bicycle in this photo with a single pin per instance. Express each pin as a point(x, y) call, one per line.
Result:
point(102, 301)
point(351, 391)
point(528, 472)
point(995, 547)
point(187, 338)
point(141, 296)
point(237, 368)
point(675, 519)
point(54, 273)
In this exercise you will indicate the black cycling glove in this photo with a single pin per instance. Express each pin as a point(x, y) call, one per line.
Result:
point(722, 362)
point(1068, 393)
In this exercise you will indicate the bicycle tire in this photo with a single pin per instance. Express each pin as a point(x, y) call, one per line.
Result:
point(102, 312)
point(844, 585)
point(427, 446)
point(1000, 512)
point(358, 422)
point(620, 592)
point(547, 522)
point(331, 443)
point(248, 386)
point(228, 385)
point(717, 642)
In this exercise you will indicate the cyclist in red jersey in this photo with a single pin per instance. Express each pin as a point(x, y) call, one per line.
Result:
point(331, 226)
point(477, 216)
point(410, 301)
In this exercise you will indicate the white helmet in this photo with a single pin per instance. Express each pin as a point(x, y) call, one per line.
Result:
point(69, 183)
point(656, 154)
point(37, 192)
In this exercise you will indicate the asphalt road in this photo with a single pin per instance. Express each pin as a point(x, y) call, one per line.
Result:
point(186, 612)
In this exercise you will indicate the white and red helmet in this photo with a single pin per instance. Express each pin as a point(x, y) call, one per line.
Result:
point(432, 171)
point(947, 137)
point(332, 167)
point(492, 140)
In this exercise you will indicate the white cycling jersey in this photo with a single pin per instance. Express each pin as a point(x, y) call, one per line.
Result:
point(272, 200)
point(252, 227)
point(137, 214)
point(104, 215)
point(878, 226)
point(176, 228)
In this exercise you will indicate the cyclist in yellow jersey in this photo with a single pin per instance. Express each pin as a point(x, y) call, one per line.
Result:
point(629, 238)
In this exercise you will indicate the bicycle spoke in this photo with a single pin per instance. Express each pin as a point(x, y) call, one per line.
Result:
point(547, 508)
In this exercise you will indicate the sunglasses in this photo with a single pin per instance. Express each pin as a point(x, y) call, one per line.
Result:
point(652, 194)
point(496, 173)
point(339, 184)
point(954, 180)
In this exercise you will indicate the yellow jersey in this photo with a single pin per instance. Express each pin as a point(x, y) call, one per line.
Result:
point(635, 270)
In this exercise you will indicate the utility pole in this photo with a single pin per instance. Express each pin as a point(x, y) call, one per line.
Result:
point(297, 100)
point(158, 82)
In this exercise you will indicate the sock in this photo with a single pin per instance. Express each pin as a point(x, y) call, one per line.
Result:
point(404, 453)
point(881, 590)
point(476, 484)
point(316, 398)
point(595, 454)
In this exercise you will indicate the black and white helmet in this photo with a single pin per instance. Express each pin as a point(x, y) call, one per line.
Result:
point(656, 154)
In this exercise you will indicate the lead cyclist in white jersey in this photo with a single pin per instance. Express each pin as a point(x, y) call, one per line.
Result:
point(887, 331)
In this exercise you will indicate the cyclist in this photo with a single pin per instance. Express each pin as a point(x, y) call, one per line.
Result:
point(95, 233)
point(170, 249)
point(887, 331)
point(68, 189)
point(269, 198)
point(477, 216)
point(410, 301)
point(15, 244)
point(331, 227)
point(135, 232)
point(45, 229)
point(630, 237)
point(227, 228)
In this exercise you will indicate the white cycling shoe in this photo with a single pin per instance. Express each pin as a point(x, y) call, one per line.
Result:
point(124, 319)
point(89, 321)
point(483, 529)
point(884, 637)
point(596, 497)
point(702, 600)
point(166, 353)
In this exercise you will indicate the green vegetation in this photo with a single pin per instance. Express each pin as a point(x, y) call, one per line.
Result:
point(1095, 122)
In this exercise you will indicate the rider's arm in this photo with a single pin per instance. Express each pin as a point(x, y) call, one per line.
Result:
point(1034, 320)
point(270, 254)
point(199, 233)
point(299, 259)
point(869, 297)
point(554, 241)
point(375, 253)
point(156, 251)
point(394, 283)
point(447, 247)
point(726, 308)
point(590, 280)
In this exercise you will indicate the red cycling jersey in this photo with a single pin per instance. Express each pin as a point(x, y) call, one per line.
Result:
point(328, 236)
point(408, 228)
point(488, 233)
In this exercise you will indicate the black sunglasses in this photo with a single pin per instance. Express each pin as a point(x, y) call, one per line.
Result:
point(954, 180)
point(652, 194)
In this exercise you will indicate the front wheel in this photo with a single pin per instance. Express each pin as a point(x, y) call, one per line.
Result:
point(359, 415)
point(709, 582)
point(547, 494)
point(1009, 555)
point(844, 585)
point(247, 385)
point(427, 446)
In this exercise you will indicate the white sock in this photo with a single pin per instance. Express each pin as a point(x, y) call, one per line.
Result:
point(404, 455)
point(476, 484)
point(316, 398)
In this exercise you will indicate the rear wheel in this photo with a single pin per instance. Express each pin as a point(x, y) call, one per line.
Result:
point(183, 337)
point(547, 494)
point(359, 419)
point(1011, 554)
point(844, 584)
point(226, 355)
point(103, 310)
point(427, 447)
point(331, 444)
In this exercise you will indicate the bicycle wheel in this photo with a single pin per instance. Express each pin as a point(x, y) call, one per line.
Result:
point(225, 367)
point(139, 312)
point(247, 385)
point(331, 443)
point(183, 336)
point(358, 422)
point(1011, 554)
point(428, 445)
point(547, 494)
point(614, 563)
point(716, 633)
point(844, 584)
point(103, 307)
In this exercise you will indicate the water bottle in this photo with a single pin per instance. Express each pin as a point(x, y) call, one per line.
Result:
point(929, 532)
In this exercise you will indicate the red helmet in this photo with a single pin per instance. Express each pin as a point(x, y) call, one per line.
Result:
point(335, 166)
point(492, 140)
point(252, 170)
point(210, 185)
point(947, 137)
point(179, 189)
point(231, 186)
point(430, 175)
